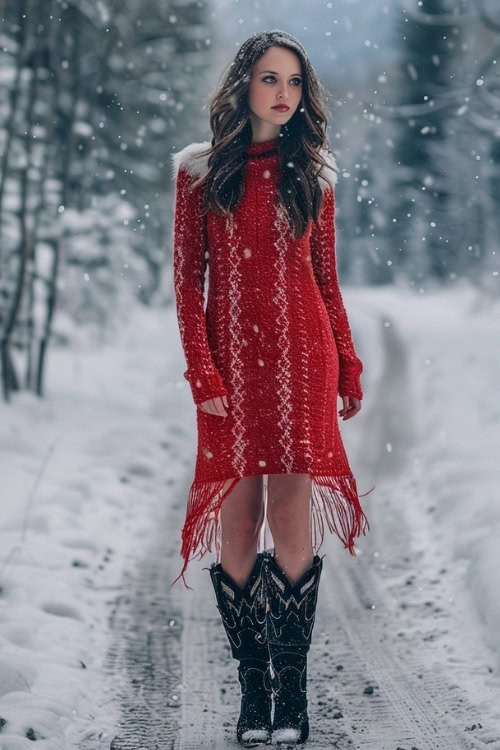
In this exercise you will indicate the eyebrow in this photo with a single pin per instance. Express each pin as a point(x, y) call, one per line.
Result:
point(277, 74)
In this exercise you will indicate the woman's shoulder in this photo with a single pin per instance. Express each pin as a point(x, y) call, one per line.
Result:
point(188, 158)
point(330, 171)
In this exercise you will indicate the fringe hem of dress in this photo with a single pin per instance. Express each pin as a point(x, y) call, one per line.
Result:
point(334, 500)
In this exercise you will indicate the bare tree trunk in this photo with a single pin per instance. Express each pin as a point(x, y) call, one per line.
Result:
point(9, 377)
point(45, 57)
point(67, 159)
point(14, 99)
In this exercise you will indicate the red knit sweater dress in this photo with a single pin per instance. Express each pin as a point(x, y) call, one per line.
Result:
point(274, 338)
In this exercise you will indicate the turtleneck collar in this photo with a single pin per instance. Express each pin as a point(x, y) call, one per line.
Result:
point(258, 149)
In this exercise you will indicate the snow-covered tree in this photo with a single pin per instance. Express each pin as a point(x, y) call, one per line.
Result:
point(92, 99)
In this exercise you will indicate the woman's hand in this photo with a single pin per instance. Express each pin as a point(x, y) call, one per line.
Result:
point(351, 407)
point(215, 406)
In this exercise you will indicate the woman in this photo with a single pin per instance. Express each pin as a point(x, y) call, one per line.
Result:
point(265, 364)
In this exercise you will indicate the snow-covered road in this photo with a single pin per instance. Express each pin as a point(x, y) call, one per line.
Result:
point(405, 650)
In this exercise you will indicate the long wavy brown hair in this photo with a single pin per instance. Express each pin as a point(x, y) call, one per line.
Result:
point(300, 141)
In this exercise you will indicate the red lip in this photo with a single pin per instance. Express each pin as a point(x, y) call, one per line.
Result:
point(281, 106)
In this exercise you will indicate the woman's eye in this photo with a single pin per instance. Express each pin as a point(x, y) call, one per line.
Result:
point(298, 80)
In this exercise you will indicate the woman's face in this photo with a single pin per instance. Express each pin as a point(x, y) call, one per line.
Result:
point(276, 79)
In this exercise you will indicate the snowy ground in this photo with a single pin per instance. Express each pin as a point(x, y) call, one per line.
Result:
point(97, 651)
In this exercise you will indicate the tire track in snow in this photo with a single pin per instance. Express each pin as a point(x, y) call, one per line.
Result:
point(390, 697)
point(143, 664)
point(210, 705)
point(144, 660)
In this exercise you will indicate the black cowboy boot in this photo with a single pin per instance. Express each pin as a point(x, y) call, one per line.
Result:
point(243, 612)
point(290, 619)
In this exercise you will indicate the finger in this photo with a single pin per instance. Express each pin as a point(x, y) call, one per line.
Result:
point(219, 408)
point(208, 406)
point(353, 412)
point(214, 406)
point(345, 403)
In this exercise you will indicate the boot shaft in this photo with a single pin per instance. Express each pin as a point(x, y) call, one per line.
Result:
point(243, 611)
point(291, 608)
point(268, 609)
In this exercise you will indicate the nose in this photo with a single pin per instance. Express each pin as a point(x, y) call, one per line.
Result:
point(283, 94)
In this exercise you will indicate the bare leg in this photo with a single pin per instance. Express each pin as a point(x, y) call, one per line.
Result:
point(242, 514)
point(289, 518)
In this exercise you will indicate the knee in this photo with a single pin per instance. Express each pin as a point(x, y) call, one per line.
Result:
point(281, 515)
point(249, 522)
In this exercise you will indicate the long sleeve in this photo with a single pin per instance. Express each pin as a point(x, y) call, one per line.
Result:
point(189, 276)
point(323, 255)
